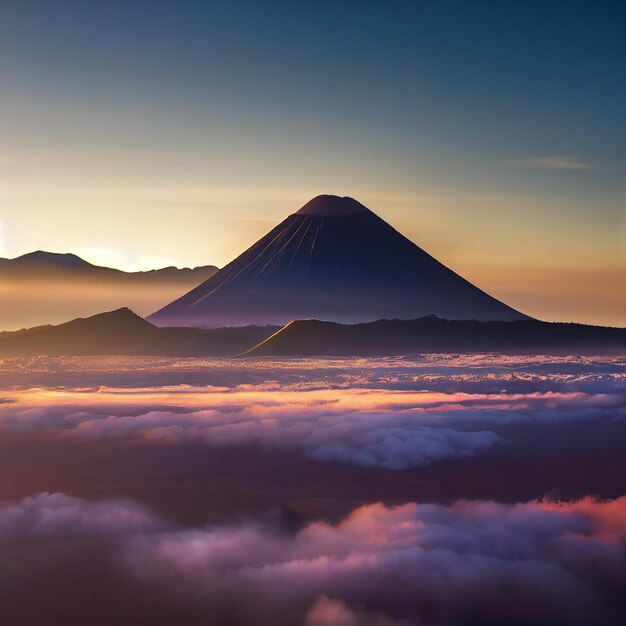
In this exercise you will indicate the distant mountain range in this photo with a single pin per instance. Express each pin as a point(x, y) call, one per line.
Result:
point(432, 334)
point(46, 287)
point(333, 259)
point(122, 332)
point(40, 263)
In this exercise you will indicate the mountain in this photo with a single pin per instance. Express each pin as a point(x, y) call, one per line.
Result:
point(115, 332)
point(432, 334)
point(333, 259)
point(44, 287)
point(122, 332)
point(40, 263)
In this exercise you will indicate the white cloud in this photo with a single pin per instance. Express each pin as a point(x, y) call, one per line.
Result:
point(561, 163)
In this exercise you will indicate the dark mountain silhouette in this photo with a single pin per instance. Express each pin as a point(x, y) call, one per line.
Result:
point(123, 332)
point(333, 259)
point(115, 332)
point(48, 287)
point(432, 334)
point(68, 266)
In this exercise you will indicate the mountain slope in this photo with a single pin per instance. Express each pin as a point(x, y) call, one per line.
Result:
point(432, 334)
point(333, 259)
point(42, 287)
point(114, 332)
point(122, 332)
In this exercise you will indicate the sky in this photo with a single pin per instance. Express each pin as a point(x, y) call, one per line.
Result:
point(142, 134)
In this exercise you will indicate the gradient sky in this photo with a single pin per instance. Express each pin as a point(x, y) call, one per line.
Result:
point(141, 134)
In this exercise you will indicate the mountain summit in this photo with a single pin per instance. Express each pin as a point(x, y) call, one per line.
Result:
point(331, 206)
point(334, 259)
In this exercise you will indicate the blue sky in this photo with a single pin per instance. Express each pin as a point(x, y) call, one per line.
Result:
point(491, 133)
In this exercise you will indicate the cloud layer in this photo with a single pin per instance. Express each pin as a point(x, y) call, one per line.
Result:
point(405, 416)
point(441, 372)
point(473, 562)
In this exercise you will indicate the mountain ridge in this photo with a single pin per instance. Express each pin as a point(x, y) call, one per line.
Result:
point(123, 332)
point(69, 260)
point(308, 338)
point(42, 287)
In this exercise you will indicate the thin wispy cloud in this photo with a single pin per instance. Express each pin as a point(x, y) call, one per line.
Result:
point(561, 163)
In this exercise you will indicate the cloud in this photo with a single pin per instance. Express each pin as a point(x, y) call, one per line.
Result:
point(413, 414)
point(561, 163)
point(396, 425)
point(329, 612)
point(486, 373)
point(53, 516)
point(472, 562)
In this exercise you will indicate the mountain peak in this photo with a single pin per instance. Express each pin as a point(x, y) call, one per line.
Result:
point(58, 258)
point(332, 205)
point(120, 317)
point(332, 260)
point(122, 313)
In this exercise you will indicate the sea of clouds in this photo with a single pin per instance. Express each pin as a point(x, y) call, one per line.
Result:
point(421, 564)
point(390, 413)
point(65, 560)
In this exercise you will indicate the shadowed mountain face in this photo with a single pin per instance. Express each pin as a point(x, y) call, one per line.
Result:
point(431, 334)
point(115, 332)
point(333, 259)
point(122, 332)
point(46, 287)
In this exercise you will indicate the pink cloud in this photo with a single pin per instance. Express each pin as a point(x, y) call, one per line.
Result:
point(372, 427)
point(478, 562)
point(392, 413)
